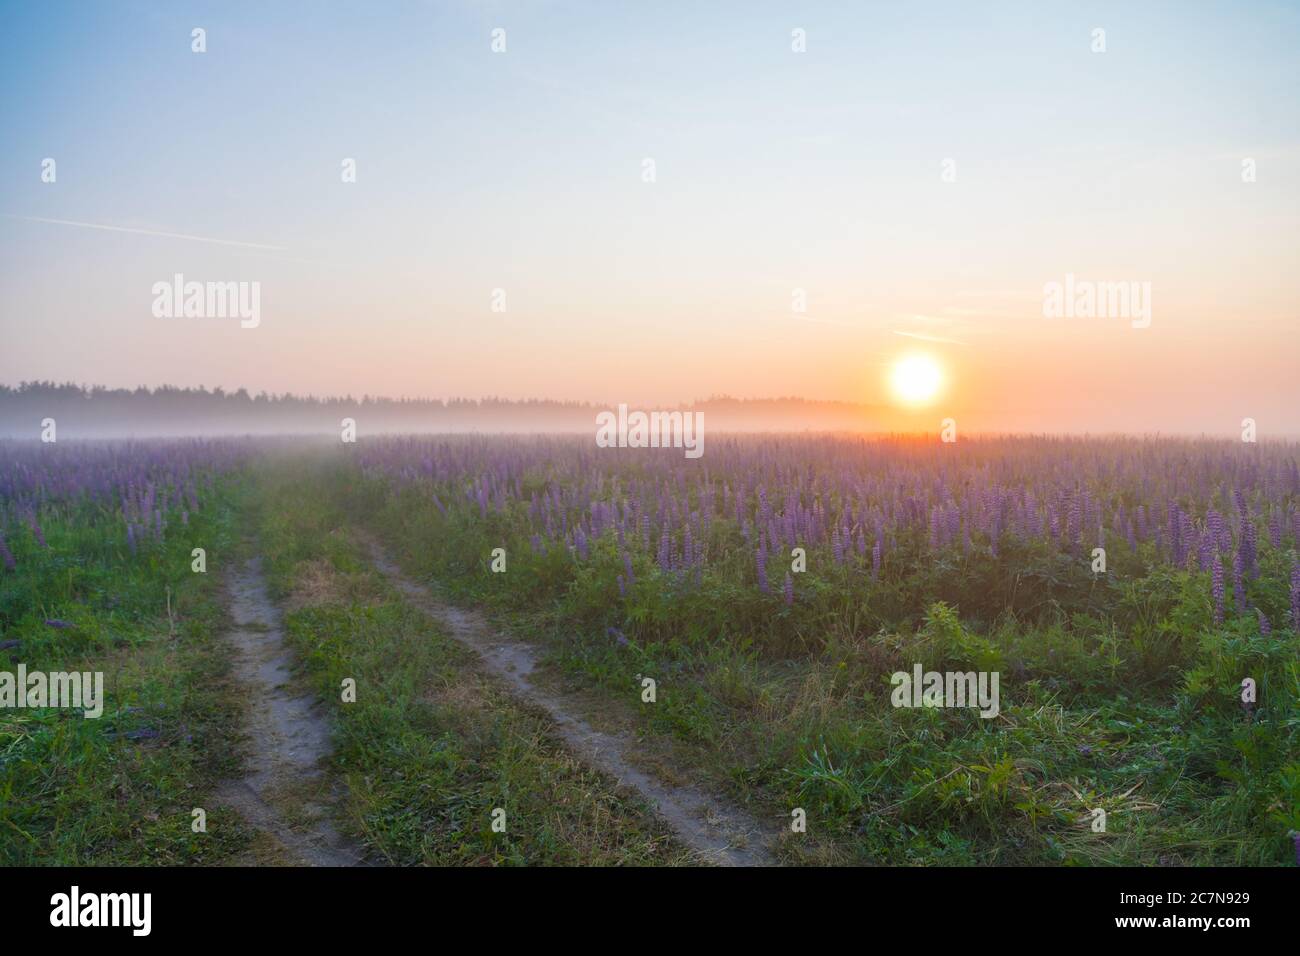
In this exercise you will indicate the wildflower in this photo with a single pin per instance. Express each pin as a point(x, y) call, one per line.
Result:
point(1295, 596)
point(1247, 548)
point(1238, 587)
point(1216, 589)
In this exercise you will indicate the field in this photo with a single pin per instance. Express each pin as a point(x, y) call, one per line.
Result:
point(728, 628)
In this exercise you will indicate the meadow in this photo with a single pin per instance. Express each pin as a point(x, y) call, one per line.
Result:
point(1122, 589)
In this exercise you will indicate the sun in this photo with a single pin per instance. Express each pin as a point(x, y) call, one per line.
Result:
point(916, 379)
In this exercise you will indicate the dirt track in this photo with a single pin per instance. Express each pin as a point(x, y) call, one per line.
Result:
point(284, 794)
point(720, 833)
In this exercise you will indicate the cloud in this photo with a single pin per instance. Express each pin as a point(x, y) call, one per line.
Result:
point(149, 232)
point(927, 338)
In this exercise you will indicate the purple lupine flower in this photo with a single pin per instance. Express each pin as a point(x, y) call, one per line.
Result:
point(1295, 596)
point(1174, 526)
point(1238, 587)
point(876, 552)
point(761, 566)
point(619, 637)
point(6, 557)
point(1246, 549)
point(1205, 551)
point(787, 590)
point(1217, 530)
point(1217, 589)
point(1264, 627)
point(622, 587)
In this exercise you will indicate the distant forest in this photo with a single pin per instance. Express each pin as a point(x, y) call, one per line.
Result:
point(96, 411)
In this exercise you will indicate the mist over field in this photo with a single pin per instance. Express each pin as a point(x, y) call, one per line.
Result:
point(97, 412)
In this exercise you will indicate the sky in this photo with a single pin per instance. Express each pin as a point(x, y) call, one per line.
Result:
point(913, 179)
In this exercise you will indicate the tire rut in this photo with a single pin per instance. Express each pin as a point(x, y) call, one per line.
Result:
point(288, 735)
point(720, 833)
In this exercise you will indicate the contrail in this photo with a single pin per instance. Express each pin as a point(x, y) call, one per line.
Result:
point(149, 232)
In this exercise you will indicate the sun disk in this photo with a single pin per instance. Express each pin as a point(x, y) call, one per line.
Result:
point(916, 379)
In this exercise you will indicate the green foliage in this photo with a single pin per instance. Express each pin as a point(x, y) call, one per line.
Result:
point(119, 789)
point(1117, 690)
point(430, 747)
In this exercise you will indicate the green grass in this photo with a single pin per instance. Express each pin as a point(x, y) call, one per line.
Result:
point(1119, 695)
point(120, 789)
point(431, 746)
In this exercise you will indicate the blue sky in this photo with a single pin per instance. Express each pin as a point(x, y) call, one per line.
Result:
point(775, 171)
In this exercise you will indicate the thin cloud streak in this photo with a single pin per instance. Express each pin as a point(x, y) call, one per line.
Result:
point(820, 321)
point(927, 338)
point(149, 232)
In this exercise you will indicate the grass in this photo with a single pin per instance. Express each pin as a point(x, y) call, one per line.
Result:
point(1122, 697)
point(120, 789)
point(431, 746)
